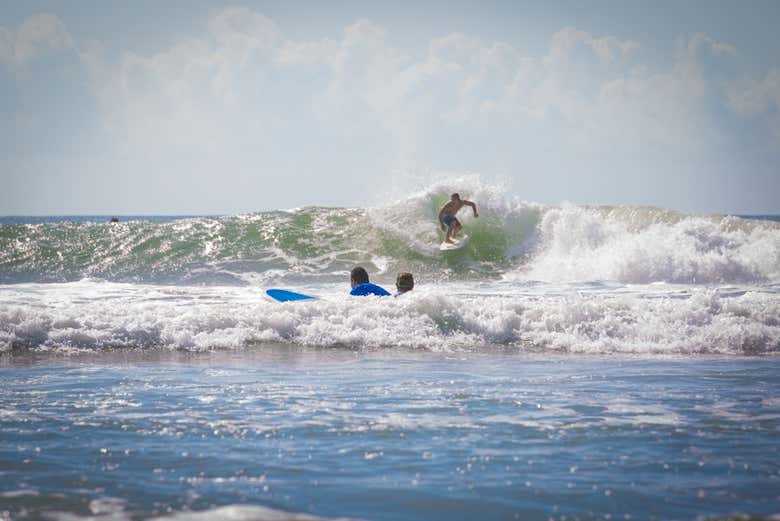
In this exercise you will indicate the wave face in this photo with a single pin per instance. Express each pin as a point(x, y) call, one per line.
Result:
point(512, 239)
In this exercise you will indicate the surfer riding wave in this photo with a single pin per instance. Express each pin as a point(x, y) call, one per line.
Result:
point(447, 220)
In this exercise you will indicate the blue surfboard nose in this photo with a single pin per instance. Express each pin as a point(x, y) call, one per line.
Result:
point(282, 295)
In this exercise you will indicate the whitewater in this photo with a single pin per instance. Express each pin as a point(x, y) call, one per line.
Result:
point(536, 278)
point(570, 362)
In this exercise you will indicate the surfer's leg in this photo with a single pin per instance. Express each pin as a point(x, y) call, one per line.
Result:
point(450, 233)
point(451, 222)
point(456, 228)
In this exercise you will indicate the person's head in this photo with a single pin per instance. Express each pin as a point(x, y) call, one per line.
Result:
point(358, 275)
point(455, 197)
point(404, 282)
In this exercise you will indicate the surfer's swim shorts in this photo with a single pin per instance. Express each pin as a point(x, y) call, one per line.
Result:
point(448, 220)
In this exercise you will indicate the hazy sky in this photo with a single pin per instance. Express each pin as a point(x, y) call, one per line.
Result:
point(208, 107)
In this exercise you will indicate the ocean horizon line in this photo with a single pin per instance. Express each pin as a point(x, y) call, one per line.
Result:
point(48, 218)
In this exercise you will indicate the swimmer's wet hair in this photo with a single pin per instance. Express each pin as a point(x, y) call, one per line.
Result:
point(359, 275)
point(405, 281)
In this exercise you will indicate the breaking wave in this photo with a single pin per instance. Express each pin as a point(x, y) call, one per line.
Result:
point(512, 239)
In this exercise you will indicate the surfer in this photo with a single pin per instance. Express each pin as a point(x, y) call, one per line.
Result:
point(404, 283)
point(447, 219)
point(358, 278)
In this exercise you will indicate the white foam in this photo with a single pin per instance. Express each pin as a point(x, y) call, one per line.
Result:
point(652, 320)
point(241, 513)
point(106, 509)
point(649, 245)
point(19, 493)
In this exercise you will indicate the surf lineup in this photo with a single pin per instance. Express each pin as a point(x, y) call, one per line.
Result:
point(358, 277)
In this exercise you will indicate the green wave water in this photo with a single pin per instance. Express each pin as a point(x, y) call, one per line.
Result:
point(511, 239)
point(312, 240)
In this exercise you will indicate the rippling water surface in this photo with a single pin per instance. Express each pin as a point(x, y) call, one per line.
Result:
point(387, 435)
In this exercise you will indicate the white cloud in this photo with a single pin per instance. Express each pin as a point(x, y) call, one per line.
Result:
point(571, 46)
point(240, 32)
point(759, 99)
point(758, 96)
point(175, 96)
point(311, 53)
point(365, 64)
point(584, 79)
point(239, 85)
point(38, 34)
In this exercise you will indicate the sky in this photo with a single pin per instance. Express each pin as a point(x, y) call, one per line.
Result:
point(202, 107)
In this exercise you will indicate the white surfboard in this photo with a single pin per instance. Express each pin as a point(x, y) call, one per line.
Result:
point(458, 244)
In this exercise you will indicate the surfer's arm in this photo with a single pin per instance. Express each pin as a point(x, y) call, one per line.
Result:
point(473, 207)
point(441, 212)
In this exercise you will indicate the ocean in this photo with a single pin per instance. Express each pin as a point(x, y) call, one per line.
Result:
point(569, 362)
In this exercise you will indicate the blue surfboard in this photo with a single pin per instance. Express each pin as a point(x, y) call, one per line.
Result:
point(282, 295)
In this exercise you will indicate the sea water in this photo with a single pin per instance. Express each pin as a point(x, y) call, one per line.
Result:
point(569, 363)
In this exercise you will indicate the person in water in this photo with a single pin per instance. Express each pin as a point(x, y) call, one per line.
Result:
point(447, 219)
point(361, 286)
point(404, 283)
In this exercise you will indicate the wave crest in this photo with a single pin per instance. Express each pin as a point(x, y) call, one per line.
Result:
point(639, 245)
point(512, 239)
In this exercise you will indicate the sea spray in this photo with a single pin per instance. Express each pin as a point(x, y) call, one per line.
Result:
point(638, 245)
